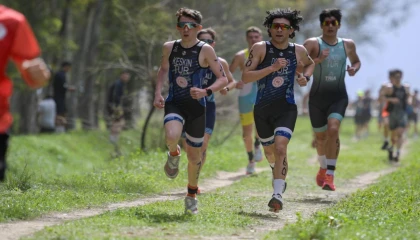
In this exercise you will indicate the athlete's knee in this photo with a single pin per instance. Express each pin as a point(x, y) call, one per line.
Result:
point(333, 129)
point(247, 131)
point(281, 149)
point(194, 155)
point(172, 135)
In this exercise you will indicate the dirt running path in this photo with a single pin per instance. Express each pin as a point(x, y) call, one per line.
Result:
point(18, 229)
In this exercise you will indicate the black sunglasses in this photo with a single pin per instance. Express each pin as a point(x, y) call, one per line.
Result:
point(209, 41)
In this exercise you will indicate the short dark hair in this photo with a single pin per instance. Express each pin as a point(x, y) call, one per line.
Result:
point(331, 12)
point(287, 13)
point(48, 96)
point(66, 64)
point(191, 13)
point(124, 71)
point(207, 31)
point(394, 72)
point(253, 29)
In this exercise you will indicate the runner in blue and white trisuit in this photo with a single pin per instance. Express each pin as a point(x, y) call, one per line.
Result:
point(208, 36)
point(185, 62)
point(273, 64)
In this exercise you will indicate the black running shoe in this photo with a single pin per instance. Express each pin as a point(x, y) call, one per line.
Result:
point(390, 154)
point(385, 145)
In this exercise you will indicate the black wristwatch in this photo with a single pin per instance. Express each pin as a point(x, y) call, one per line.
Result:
point(307, 78)
point(209, 91)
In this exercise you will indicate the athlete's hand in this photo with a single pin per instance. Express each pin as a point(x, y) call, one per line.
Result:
point(197, 93)
point(239, 85)
point(159, 101)
point(394, 100)
point(279, 64)
point(224, 91)
point(324, 54)
point(37, 71)
point(351, 70)
point(301, 80)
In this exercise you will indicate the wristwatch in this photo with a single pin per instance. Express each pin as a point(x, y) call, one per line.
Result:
point(307, 78)
point(209, 91)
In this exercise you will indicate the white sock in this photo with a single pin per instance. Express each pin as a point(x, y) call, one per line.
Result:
point(322, 161)
point(278, 185)
point(331, 162)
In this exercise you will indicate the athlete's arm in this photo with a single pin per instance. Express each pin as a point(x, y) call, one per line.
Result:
point(407, 90)
point(231, 81)
point(305, 102)
point(159, 101)
point(256, 54)
point(386, 95)
point(24, 53)
point(308, 63)
point(312, 47)
point(237, 61)
point(353, 57)
point(216, 67)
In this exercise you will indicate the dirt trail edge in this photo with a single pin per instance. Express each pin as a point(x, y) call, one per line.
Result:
point(306, 204)
point(18, 229)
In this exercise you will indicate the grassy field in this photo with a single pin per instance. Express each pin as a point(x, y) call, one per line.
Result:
point(75, 170)
point(389, 209)
point(233, 210)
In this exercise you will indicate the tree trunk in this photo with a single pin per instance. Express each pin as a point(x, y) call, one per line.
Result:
point(28, 109)
point(88, 97)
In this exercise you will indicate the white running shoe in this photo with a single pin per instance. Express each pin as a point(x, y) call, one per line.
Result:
point(250, 169)
point(191, 205)
point(171, 166)
point(258, 156)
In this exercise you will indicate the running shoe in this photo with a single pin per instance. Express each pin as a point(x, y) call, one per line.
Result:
point(385, 145)
point(258, 156)
point(328, 183)
point(390, 154)
point(250, 169)
point(276, 203)
point(320, 177)
point(171, 166)
point(191, 205)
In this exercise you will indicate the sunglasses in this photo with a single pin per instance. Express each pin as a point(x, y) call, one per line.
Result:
point(332, 22)
point(209, 41)
point(282, 26)
point(190, 25)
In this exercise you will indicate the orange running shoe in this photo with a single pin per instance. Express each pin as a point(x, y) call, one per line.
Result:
point(328, 183)
point(320, 177)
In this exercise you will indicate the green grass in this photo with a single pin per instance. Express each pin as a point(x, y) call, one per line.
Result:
point(75, 170)
point(389, 209)
point(229, 210)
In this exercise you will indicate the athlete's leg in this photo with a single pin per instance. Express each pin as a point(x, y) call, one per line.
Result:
point(173, 122)
point(332, 145)
point(4, 145)
point(319, 124)
point(194, 131)
point(204, 147)
point(257, 149)
point(247, 137)
point(285, 125)
point(210, 122)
